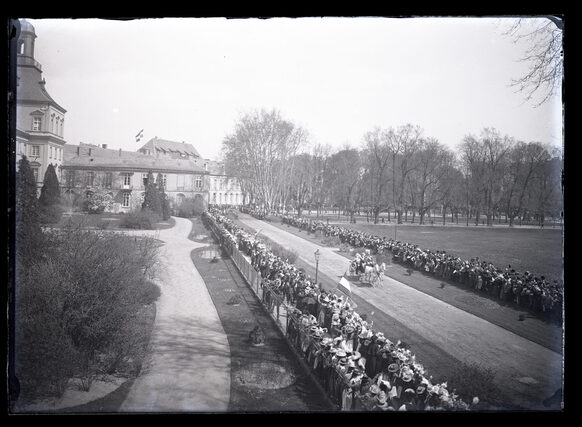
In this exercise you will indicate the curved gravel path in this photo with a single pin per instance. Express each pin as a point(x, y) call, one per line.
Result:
point(188, 369)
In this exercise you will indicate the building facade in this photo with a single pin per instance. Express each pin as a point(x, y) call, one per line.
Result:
point(124, 175)
point(40, 120)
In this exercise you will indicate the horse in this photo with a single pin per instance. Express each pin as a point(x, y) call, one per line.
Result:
point(375, 274)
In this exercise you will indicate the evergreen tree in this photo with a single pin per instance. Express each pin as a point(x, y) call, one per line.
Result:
point(151, 201)
point(164, 202)
point(28, 232)
point(50, 197)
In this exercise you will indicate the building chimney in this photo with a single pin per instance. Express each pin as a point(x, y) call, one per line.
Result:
point(120, 152)
point(104, 145)
point(78, 151)
point(89, 151)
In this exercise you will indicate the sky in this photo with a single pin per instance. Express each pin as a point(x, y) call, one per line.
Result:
point(192, 79)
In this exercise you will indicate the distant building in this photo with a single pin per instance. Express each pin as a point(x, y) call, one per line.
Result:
point(124, 175)
point(221, 189)
point(40, 120)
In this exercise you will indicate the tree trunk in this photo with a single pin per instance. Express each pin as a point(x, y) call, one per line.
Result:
point(376, 214)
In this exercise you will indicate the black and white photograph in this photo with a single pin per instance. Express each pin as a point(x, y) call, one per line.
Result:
point(271, 215)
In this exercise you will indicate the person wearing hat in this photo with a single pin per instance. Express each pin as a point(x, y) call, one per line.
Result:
point(372, 357)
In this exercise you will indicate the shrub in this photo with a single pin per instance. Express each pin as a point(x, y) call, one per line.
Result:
point(191, 207)
point(142, 220)
point(97, 200)
point(50, 197)
point(51, 214)
point(45, 356)
point(79, 304)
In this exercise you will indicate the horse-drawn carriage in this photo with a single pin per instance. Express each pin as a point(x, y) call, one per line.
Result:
point(365, 268)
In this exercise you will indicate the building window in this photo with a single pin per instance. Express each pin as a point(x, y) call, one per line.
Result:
point(164, 180)
point(89, 178)
point(35, 151)
point(108, 179)
point(180, 198)
point(35, 173)
point(126, 200)
point(60, 154)
point(144, 178)
point(53, 123)
point(70, 178)
point(126, 179)
point(36, 122)
point(180, 180)
point(198, 183)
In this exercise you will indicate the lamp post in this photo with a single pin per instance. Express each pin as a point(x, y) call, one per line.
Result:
point(317, 255)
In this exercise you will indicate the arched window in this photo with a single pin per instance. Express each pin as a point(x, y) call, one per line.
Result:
point(180, 198)
point(21, 48)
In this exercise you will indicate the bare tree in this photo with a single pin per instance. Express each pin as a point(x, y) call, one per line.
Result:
point(544, 56)
point(484, 161)
point(346, 172)
point(432, 164)
point(524, 161)
point(403, 143)
point(378, 155)
point(259, 153)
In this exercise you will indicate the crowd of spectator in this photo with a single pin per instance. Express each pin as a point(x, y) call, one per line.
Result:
point(525, 289)
point(359, 367)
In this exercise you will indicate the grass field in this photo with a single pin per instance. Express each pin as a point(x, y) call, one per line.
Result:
point(525, 249)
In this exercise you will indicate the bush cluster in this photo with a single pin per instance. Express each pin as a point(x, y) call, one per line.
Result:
point(79, 309)
point(141, 220)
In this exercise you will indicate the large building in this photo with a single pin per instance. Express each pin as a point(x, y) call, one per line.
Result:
point(86, 167)
point(124, 175)
point(40, 120)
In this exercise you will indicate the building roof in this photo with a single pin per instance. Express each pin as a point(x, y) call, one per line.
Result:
point(26, 26)
point(165, 146)
point(31, 87)
point(95, 157)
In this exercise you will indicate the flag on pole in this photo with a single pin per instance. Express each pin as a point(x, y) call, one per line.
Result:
point(139, 136)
